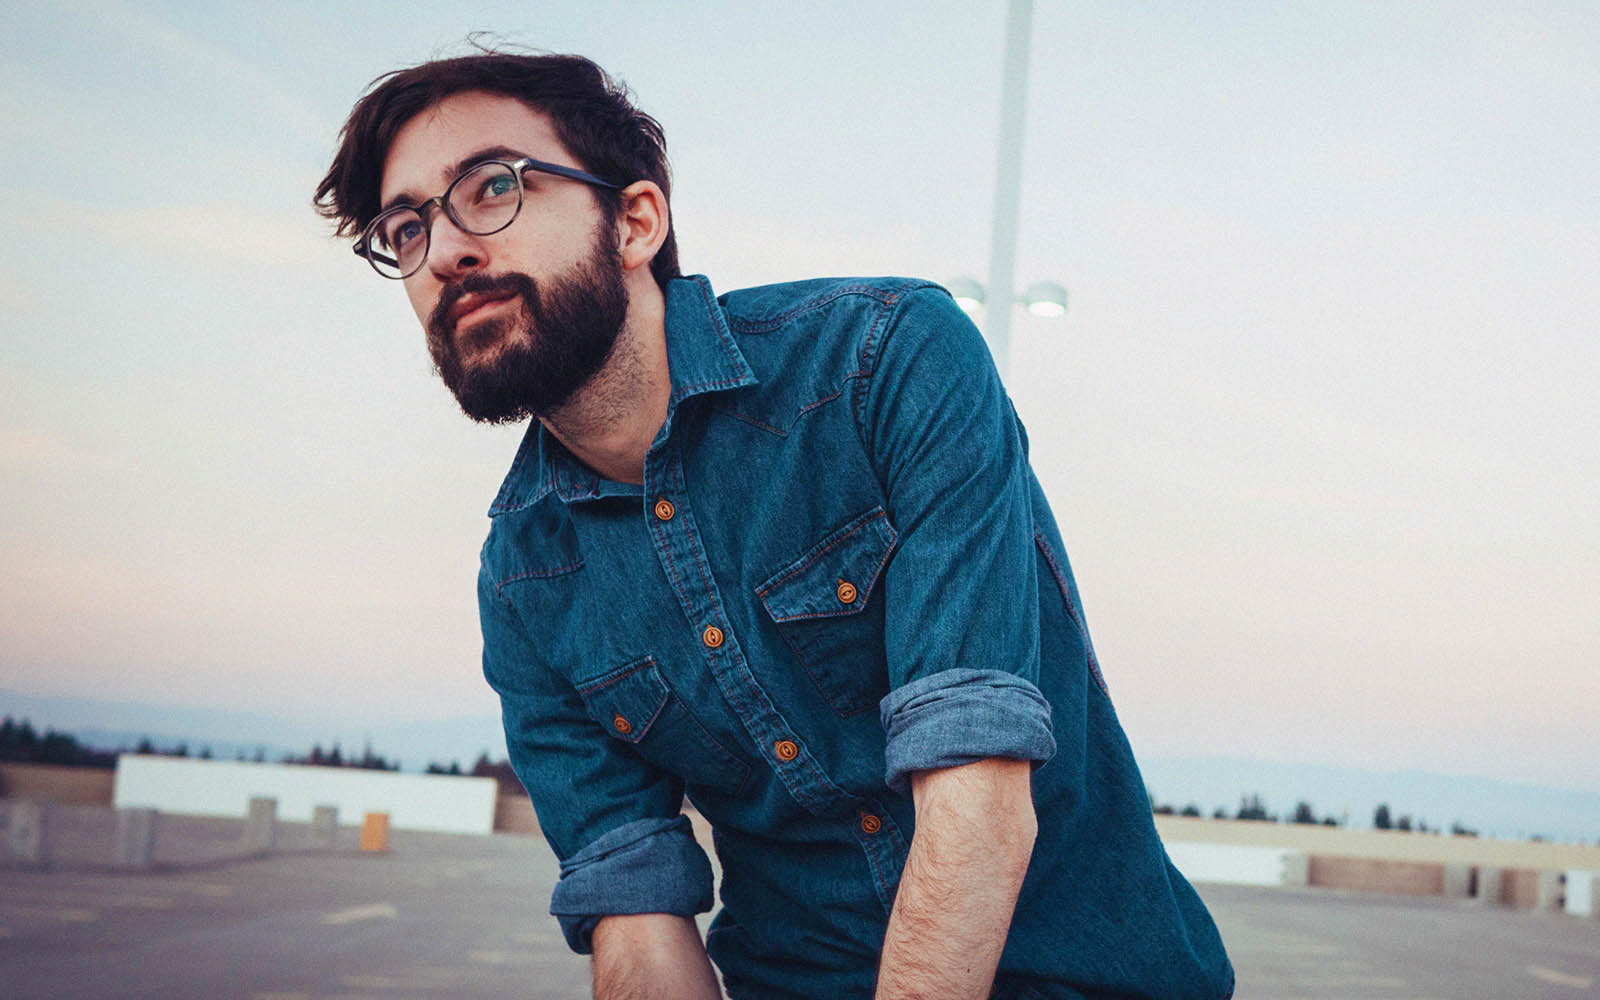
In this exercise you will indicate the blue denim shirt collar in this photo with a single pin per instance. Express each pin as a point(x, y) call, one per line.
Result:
point(702, 357)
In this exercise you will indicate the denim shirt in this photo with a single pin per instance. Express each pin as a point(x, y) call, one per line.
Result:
point(840, 569)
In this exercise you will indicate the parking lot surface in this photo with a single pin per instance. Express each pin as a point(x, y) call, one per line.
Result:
point(460, 916)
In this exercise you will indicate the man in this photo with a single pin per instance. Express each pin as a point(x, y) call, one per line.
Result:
point(781, 550)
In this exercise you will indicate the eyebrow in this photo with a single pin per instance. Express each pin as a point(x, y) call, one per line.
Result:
point(449, 174)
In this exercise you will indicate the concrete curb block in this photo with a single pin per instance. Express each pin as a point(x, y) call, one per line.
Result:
point(27, 834)
point(136, 837)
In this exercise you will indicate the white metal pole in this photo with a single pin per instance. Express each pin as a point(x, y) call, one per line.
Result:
point(1008, 183)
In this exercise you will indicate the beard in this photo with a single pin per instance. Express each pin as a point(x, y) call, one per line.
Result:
point(536, 360)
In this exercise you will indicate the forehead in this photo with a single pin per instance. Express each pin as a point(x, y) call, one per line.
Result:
point(426, 150)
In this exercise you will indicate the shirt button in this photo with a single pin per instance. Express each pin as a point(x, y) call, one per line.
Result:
point(870, 823)
point(712, 636)
point(846, 592)
point(622, 725)
point(786, 750)
point(664, 509)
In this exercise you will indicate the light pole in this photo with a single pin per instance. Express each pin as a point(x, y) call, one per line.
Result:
point(1042, 298)
point(1008, 182)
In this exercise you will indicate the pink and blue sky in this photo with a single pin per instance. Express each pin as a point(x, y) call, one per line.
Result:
point(1320, 425)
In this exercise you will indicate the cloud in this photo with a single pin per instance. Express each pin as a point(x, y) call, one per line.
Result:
point(11, 291)
point(231, 231)
point(246, 83)
point(30, 450)
point(1536, 47)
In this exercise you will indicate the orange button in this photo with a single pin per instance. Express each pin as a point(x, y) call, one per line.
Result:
point(664, 509)
point(622, 725)
point(712, 636)
point(870, 823)
point(786, 749)
point(846, 592)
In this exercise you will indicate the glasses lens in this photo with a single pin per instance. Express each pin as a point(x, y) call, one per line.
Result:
point(485, 199)
point(397, 242)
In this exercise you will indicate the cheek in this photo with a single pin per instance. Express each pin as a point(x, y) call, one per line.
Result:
point(422, 295)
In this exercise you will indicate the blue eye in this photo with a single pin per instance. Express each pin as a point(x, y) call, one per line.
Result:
point(400, 231)
point(407, 232)
point(498, 186)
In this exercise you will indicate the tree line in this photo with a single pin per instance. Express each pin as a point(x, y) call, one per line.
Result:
point(21, 743)
point(1254, 808)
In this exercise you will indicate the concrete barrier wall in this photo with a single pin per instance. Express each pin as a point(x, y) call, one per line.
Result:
point(513, 813)
point(440, 803)
point(1392, 845)
point(1236, 865)
point(1583, 893)
point(1404, 878)
point(1520, 888)
point(72, 786)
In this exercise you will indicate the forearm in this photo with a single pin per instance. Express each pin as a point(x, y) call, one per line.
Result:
point(651, 956)
point(974, 836)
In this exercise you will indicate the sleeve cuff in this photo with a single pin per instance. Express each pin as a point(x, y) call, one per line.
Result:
point(960, 716)
point(647, 866)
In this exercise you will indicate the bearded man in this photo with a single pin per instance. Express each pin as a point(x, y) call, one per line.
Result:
point(780, 551)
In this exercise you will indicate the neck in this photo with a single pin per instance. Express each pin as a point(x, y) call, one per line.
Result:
point(610, 422)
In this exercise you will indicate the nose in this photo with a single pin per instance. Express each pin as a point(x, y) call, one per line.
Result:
point(452, 251)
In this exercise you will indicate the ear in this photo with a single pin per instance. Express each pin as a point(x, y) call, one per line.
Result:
point(643, 223)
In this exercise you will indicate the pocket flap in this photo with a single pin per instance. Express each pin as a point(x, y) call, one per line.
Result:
point(838, 574)
point(628, 699)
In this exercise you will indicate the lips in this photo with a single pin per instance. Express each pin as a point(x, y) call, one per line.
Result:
point(472, 302)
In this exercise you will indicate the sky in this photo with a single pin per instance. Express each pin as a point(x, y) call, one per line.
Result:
point(1318, 425)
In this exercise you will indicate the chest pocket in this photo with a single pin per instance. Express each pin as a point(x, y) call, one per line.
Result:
point(635, 705)
point(827, 606)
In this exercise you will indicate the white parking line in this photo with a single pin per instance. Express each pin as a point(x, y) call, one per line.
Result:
point(488, 957)
point(1555, 978)
point(369, 911)
point(70, 914)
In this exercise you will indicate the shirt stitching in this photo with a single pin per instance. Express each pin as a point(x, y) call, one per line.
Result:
point(1043, 545)
point(752, 421)
point(747, 325)
point(538, 574)
point(771, 585)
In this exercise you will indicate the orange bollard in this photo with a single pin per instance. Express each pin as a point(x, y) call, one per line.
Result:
point(375, 832)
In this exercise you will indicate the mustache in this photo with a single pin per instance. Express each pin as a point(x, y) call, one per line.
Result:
point(510, 283)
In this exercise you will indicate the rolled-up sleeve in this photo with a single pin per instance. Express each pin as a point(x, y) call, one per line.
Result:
point(962, 592)
point(612, 818)
point(960, 716)
point(647, 866)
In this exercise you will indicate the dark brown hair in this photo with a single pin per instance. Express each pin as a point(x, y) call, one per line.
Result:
point(590, 111)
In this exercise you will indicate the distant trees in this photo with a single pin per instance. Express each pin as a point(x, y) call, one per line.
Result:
point(335, 758)
point(1252, 808)
point(510, 784)
point(21, 743)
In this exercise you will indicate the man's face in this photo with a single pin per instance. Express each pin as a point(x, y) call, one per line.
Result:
point(518, 320)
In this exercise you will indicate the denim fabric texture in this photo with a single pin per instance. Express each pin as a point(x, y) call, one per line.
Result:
point(647, 866)
point(840, 569)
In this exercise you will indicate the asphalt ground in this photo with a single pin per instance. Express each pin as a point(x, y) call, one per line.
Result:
point(458, 916)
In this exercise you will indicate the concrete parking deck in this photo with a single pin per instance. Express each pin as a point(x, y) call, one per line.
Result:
point(463, 916)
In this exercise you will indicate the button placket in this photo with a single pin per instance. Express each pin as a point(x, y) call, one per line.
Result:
point(683, 558)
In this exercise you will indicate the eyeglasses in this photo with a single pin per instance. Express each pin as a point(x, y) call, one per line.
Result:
point(484, 200)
